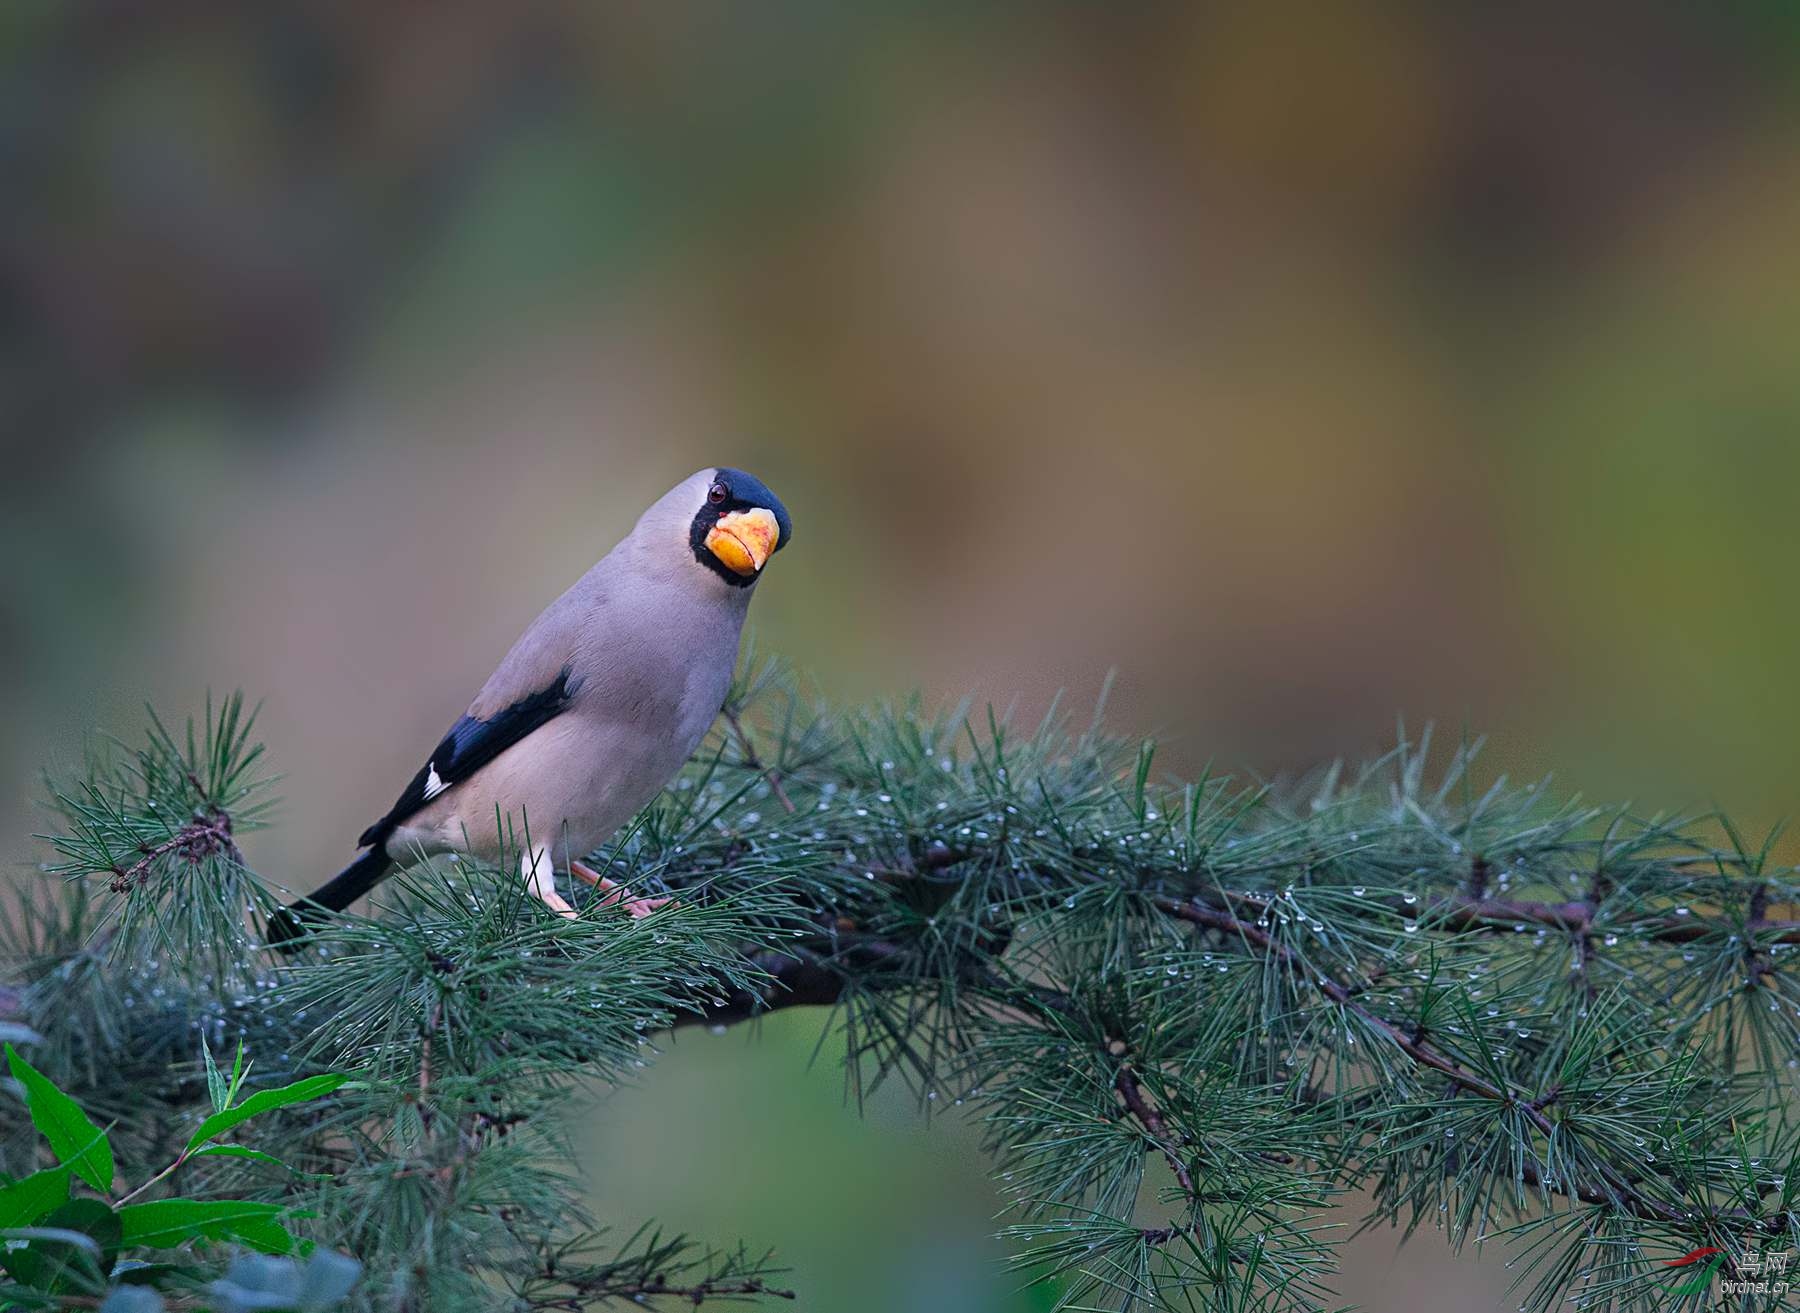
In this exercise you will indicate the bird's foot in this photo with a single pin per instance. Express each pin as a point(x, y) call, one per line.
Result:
point(614, 894)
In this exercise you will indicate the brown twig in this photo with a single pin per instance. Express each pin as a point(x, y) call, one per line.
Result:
point(1547, 1098)
point(1155, 1129)
point(1462, 913)
point(195, 840)
point(1479, 869)
point(754, 761)
point(1417, 1049)
point(1160, 1235)
point(798, 977)
point(432, 1021)
point(431, 1024)
point(658, 1287)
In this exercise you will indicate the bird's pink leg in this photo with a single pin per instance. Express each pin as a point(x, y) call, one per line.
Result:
point(615, 894)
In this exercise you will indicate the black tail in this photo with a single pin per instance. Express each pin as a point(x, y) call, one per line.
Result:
point(349, 884)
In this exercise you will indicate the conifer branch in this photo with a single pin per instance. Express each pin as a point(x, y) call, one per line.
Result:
point(1490, 1010)
point(1126, 1082)
point(1577, 918)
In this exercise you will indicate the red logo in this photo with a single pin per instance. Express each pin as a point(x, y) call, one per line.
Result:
point(1694, 1257)
point(1711, 1259)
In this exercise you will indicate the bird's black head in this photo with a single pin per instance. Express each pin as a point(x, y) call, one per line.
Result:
point(739, 526)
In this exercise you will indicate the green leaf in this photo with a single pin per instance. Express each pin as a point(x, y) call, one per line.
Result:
point(131, 1272)
point(74, 1139)
point(15, 1296)
point(238, 1151)
point(166, 1223)
point(50, 1235)
point(74, 1248)
point(34, 1198)
point(258, 1156)
point(215, 1080)
point(240, 1072)
point(301, 1091)
point(95, 1220)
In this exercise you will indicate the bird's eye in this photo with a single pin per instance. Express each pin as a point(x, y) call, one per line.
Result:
point(717, 493)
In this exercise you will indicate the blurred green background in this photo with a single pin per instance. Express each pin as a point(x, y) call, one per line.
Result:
point(1311, 364)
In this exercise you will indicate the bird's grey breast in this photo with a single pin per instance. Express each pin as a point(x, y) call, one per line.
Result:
point(658, 672)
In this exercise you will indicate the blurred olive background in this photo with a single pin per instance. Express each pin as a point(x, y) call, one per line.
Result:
point(1310, 364)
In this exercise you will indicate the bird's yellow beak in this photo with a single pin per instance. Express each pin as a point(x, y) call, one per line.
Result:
point(742, 540)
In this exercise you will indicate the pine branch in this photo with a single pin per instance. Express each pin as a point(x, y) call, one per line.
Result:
point(194, 842)
point(1501, 1014)
point(647, 1268)
point(658, 1286)
point(1578, 918)
point(1126, 1082)
point(1612, 1189)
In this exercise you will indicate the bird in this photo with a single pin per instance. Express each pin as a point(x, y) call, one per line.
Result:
point(594, 709)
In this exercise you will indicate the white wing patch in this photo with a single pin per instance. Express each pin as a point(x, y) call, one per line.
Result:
point(433, 785)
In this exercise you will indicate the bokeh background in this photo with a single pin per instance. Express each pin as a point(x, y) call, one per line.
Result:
point(1310, 364)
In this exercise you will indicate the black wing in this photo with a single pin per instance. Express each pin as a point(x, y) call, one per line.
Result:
point(472, 744)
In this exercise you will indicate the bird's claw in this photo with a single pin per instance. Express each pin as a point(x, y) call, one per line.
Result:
point(614, 894)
